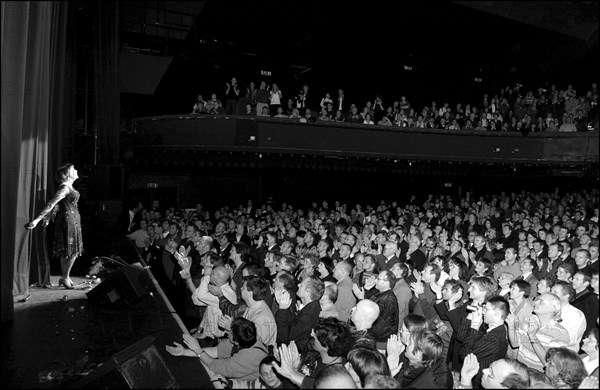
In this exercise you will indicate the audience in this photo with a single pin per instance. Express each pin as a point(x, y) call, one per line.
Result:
point(353, 309)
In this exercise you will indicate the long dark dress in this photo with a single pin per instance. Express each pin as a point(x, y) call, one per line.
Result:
point(67, 221)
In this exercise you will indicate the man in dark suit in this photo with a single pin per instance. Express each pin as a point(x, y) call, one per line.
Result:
point(585, 300)
point(239, 235)
point(488, 345)
point(298, 327)
point(528, 268)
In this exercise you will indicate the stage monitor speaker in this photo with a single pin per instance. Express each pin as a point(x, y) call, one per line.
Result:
point(138, 366)
point(129, 286)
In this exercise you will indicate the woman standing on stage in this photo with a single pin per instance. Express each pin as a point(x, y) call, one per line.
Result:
point(68, 243)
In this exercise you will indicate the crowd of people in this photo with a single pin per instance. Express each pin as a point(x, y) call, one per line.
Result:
point(494, 291)
point(512, 109)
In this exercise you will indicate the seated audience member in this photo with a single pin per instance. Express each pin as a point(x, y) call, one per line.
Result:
point(401, 290)
point(481, 288)
point(503, 373)
point(325, 269)
point(384, 297)
point(417, 362)
point(268, 379)
point(284, 281)
point(381, 382)
point(330, 340)
point(362, 362)
point(201, 296)
point(509, 264)
point(504, 281)
point(590, 347)
point(345, 298)
point(545, 284)
point(425, 292)
point(254, 291)
point(528, 266)
point(298, 327)
point(584, 299)
point(573, 319)
point(565, 271)
point(564, 368)
point(489, 345)
point(330, 294)
point(363, 315)
point(309, 265)
point(540, 332)
point(242, 365)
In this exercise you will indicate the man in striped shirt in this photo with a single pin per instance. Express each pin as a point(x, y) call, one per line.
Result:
point(541, 332)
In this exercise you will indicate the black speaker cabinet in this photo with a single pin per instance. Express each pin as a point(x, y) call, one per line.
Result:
point(129, 286)
point(138, 366)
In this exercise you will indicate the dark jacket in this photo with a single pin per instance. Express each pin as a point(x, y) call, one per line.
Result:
point(487, 346)
point(297, 327)
point(387, 322)
point(588, 304)
point(435, 377)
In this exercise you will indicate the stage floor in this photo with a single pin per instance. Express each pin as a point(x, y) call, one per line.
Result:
point(57, 338)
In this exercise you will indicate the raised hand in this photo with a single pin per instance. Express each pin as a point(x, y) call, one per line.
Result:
point(225, 322)
point(284, 300)
point(359, 292)
point(177, 350)
point(192, 343)
point(370, 282)
point(394, 349)
point(436, 288)
point(417, 275)
point(418, 288)
point(290, 359)
point(469, 369)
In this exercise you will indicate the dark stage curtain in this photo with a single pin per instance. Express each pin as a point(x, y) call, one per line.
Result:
point(107, 54)
point(33, 129)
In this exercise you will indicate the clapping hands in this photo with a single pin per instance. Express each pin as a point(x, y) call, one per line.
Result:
point(394, 349)
point(284, 300)
point(290, 360)
point(359, 292)
point(469, 369)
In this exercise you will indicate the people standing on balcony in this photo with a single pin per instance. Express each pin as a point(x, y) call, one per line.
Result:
point(262, 98)
point(199, 105)
point(232, 94)
point(275, 97)
point(340, 102)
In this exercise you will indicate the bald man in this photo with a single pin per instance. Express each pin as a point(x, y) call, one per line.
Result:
point(363, 315)
point(334, 376)
point(218, 276)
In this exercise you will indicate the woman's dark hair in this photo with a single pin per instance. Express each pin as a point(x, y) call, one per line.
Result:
point(257, 286)
point(367, 361)
point(243, 332)
point(415, 323)
point(242, 249)
point(334, 335)
point(463, 268)
point(62, 173)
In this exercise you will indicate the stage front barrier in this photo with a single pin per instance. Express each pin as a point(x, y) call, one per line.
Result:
point(134, 292)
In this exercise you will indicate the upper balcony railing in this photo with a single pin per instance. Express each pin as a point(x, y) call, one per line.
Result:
point(275, 135)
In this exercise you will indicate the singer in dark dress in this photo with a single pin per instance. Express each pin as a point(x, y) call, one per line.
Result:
point(62, 208)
